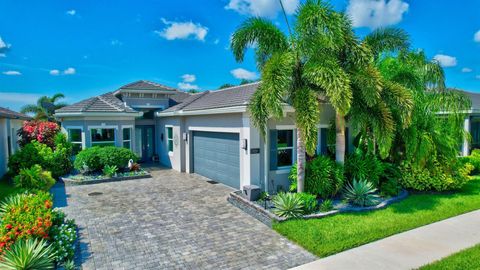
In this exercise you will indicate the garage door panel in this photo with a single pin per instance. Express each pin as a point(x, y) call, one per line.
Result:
point(217, 156)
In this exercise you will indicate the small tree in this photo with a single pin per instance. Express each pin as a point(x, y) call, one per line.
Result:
point(43, 132)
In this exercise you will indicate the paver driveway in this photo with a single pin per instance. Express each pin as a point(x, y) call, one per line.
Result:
point(171, 221)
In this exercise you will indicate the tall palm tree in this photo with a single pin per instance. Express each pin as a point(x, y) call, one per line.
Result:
point(298, 68)
point(45, 107)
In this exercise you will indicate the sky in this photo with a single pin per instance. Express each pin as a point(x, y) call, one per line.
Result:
point(84, 48)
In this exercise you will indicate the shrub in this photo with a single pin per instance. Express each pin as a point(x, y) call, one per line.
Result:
point(28, 254)
point(361, 193)
point(362, 166)
point(43, 132)
point(323, 177)
point(110, 171)
point(34, 179)
point(63, 240)
point(326, 205)
point(288, 205)
point(390, 188)
point(436, 176)
point(95, 158)
point(473, 159)
point(309, 202)
point(25, 216)
point(57, 161)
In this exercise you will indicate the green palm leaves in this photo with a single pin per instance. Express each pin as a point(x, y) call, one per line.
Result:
point(45, 107)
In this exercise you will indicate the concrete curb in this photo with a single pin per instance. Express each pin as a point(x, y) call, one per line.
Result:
point(72, 182)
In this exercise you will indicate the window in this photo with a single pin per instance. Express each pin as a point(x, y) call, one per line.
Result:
point(103, 137)
point(75, 137)
point(284, 148)
point(170, 139)
point(127, 138)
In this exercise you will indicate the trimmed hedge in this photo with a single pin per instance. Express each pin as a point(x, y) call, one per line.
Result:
point(96, 158)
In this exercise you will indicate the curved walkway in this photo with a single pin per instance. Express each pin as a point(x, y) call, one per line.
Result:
point(408, 250)
point(171, 221)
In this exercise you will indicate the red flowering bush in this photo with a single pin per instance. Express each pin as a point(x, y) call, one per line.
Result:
point(25, 216)
point(42, 132)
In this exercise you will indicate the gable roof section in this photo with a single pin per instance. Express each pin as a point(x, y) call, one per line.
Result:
point(178, 97)
point(143, 85)
point(224, 98)
point(106, 103)
point(6, 113)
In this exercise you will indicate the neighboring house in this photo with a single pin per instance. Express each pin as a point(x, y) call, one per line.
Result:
point(10, 123)
point(472, 124)
point(209, 133)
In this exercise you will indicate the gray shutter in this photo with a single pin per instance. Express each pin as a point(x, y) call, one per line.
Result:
point(273, 149)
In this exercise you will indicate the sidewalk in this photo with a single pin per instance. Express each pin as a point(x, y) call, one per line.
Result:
point(408, 250)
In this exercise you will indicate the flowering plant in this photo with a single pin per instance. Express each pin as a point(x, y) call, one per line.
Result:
point(43, 132)
point(63, 238)
point(25, 216)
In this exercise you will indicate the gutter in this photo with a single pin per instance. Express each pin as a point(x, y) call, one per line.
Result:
point(67, 114)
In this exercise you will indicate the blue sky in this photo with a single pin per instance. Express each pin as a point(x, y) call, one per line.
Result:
point(84, 48)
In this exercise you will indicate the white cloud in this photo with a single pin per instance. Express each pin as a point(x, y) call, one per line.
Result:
point(3, 55)
point(445, 60)
point(188, 78)
point(244, 74)
point(3, 45)
point(466, 70)
point(376, 13)
point(54, 72)
point(12, 73)
point(476, 37)
point(262, 8)
point(187, 86)
point(182, 30)
point(69, 71)
point(116, 42)
point(71, 12)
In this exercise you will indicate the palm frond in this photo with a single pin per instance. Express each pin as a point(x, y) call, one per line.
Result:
point(384, 40)
point(307, 114)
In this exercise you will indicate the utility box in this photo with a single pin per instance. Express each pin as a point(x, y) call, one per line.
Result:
point(252, 192)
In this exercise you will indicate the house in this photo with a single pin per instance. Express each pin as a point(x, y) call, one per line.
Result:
point(10, 123)
point(210, 133)
point(471, 124)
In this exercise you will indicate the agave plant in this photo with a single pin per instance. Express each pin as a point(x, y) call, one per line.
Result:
point(288, 205)
point(361, 193)
point(28, 255)
point(110, 170)
point(12, 200)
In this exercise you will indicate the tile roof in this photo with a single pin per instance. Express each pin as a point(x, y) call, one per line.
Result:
point(103, 103)
point(178, 97)
point(6, 113)
point(228, 97)
point(146, 85)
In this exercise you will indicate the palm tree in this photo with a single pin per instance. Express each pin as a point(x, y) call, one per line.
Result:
point(298, 68)
point(45, 107)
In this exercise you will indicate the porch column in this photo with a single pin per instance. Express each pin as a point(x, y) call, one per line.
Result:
point(466, 145)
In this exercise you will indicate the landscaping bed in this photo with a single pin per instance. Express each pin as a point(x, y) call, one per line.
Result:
point(327, 236)
point(80, 179)
point(263, 210)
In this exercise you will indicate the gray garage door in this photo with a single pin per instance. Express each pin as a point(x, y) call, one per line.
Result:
point(217, 156)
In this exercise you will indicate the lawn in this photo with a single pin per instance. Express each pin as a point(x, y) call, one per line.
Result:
point(334, 234)
point(466, 259)
point(7, 189)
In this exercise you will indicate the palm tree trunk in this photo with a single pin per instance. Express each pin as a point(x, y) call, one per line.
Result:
point(301, 161)
point(340, 138)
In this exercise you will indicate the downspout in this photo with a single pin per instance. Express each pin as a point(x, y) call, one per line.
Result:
point(266, 166)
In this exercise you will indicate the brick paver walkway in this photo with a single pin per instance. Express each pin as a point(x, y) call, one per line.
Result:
point(172, 221)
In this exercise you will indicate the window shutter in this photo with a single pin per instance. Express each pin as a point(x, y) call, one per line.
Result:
point(273, 149)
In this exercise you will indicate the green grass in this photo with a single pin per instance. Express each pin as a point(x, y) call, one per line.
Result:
point(6, 189)
point(466, 259)
point(337, 233)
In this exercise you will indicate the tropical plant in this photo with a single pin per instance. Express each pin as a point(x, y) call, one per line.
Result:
point(390, 188)
point(309, 202)
point(96, 158)
point(69, 265)
point(63, 240)
point(57, 160)
point(288, 205)
point(109, 171)
point(300, 68)
point(361, 165)
point(28, 254)
point(474, 159)
point(40, 131)
point(361, 193)
point(326, 205)
point(323, 177)
point(34, 178)
point(45, 107)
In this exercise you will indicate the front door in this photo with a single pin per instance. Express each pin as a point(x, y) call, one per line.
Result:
point(145, 142)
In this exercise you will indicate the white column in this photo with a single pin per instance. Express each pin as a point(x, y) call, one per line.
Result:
point(466, 146)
